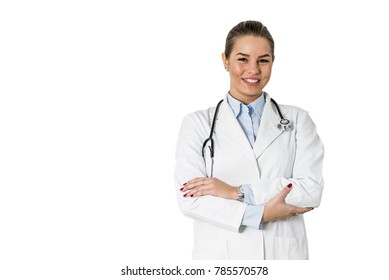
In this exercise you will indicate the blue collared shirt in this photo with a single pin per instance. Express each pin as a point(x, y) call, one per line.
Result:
point(253, 213)
point(256, 110)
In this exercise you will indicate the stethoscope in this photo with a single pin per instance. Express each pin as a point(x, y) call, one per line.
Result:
point(283, 125)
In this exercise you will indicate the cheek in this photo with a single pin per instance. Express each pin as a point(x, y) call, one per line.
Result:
point(266, 72)
point(236, 69)
point(234, 75)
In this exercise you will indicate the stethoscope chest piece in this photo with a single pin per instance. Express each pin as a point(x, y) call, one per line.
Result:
point(285, 125)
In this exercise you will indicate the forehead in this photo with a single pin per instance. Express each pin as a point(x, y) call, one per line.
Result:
point(252, 45)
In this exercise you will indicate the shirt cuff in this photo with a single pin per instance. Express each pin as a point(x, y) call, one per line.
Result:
point(253, 216)
point(248, 194)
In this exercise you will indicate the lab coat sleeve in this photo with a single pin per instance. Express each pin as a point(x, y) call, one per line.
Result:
point(306, 177)
point(190, 164)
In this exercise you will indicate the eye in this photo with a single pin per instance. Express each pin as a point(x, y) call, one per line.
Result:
point(263, 61)
point(243, 59)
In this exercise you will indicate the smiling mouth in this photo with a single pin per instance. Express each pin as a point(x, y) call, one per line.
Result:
point(252, 81)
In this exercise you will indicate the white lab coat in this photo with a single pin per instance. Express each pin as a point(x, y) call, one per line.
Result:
point(277, 159)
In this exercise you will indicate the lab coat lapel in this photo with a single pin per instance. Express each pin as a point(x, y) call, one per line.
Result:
point(268, 130)
point(228, 125)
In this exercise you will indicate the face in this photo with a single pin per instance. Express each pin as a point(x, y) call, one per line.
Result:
point(249, 65)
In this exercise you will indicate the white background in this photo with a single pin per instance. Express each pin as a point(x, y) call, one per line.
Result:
point(92, 94)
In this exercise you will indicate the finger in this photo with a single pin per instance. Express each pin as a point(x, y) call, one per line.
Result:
point(190, 183)
point(193, 183)
point(301, 210)
point(199, 191)
point(197, 186)
point(188, 191)
point(285, 191)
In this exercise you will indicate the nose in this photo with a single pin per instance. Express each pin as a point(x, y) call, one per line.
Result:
point(253, 68)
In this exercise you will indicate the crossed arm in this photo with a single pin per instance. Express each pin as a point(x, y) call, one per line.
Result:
point(214, 201)
point(275, 209)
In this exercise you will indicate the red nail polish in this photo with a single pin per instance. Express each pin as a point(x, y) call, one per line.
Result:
point(191, 195)
point(181, 189)
point(184, 184)
point(185, 195)
point(290, 186)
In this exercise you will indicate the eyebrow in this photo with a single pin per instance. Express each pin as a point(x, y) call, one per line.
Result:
point(247, 55)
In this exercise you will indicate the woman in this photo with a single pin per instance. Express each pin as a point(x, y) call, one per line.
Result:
point(247, 202)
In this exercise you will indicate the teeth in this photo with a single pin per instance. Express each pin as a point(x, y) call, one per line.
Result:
point(252, 81)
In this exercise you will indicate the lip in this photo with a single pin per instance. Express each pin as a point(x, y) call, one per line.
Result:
point(249, 81)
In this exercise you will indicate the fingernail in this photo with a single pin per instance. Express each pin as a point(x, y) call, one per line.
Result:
point(185, 195)
point(181, 189)
point(290, 186)
point(184, 184)
point(191, 195)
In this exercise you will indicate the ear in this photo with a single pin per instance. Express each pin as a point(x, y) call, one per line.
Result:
point(225, 60)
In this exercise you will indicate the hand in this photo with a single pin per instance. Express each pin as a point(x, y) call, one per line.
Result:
point(277, 209)
point(209, 186)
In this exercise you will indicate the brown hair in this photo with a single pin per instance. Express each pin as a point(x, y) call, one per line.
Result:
point(244, 28)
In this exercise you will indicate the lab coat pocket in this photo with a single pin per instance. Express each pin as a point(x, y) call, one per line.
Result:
point(289, 248)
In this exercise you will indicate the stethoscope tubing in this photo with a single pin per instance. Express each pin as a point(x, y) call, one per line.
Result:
point(284, 125)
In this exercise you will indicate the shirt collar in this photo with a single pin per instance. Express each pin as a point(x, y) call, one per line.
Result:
point(257, 105)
